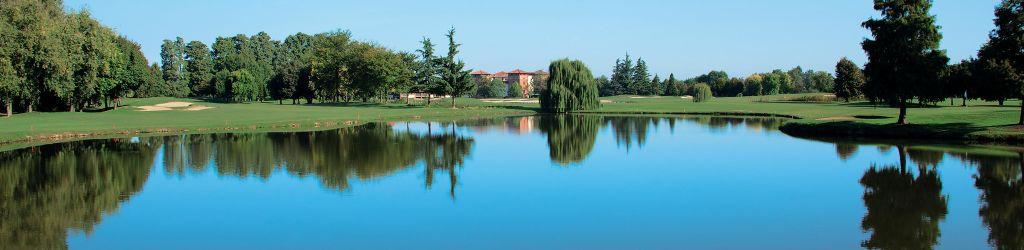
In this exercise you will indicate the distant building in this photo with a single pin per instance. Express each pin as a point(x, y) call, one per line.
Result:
point(518, 76)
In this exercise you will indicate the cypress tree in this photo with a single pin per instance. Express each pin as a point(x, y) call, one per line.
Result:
point(571, 88)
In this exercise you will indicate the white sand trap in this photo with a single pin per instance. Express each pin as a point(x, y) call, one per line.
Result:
point(197, 108)
point(606, 101)
point(152, 108)
point(686, 97)
point(174, 104)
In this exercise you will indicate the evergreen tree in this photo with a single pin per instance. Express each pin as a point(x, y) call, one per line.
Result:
point(455, 81)
point(654, 86)
point(670, 86)
point(849, 80)
point(427, 70)
point(622, 77)
point(903, 56)
point(640, 79)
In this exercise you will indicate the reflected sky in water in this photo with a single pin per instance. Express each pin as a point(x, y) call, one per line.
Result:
point(525, 182)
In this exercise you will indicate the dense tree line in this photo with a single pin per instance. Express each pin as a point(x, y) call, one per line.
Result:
point(632, 78)
point(52, 59)
point(329, 67)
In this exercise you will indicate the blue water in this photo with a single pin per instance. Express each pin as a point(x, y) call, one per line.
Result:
point(679, 182)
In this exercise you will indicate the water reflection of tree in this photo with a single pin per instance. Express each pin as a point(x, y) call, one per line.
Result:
point(47, 190)
point(846, 150)
point(903, 210)
point(630, 129)
point(333, 157)
point(570, 137)
point(1002, 194)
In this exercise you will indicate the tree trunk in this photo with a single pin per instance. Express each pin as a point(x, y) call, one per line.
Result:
point(10, 107)
point(453, 102)
point(408, 99)
point(1021, 122)
point(1001, 102)
point(428, 98)
point(280, 101)
point(903, 113)
point(71, 108)
point(903, 158)
point(29, 108)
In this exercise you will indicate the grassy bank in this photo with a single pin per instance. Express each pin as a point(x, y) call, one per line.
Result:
point(980, 121)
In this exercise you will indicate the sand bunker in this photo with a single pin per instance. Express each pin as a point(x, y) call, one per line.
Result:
point(174, 104)
point(167, 106)
point(197, 108)
point(153, 108)
point(686, 97)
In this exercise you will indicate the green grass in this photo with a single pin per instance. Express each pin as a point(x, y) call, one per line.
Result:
point(980, 121)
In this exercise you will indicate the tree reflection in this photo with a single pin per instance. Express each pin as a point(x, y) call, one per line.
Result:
point(846, 150)
point(333, 157)
point(47, 190)
point(903, 210)
point(570, 137)
point(1002, 194)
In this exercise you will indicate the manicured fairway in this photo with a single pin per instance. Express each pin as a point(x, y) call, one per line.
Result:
point(984, 119)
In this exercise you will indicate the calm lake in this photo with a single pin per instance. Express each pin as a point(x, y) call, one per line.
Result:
point(581, 182)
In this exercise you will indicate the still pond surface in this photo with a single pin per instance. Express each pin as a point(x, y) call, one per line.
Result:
point(583, 182)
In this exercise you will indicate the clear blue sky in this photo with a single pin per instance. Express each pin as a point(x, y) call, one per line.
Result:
point(686, 37)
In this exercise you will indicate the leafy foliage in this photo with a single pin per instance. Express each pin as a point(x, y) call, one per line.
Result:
point(702, 93)
point(849, 80)
point(571, 88)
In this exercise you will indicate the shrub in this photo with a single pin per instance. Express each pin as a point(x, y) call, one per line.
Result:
point(571, 87)
point(702, 93)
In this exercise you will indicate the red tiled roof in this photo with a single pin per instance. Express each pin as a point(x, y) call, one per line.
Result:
point(519, 72)
point(501, 74)
point(479, 72)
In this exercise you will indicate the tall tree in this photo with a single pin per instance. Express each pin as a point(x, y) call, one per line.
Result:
point(199, 68)
point(455, 81)
point(622, 77)
point(172, 54)
point(670, 86)
point(849, 80)
point(1003, 56)
point(427, 69)
point(640, 78)
point(903, 56)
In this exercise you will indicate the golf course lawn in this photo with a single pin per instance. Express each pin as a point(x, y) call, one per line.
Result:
point(980, 121)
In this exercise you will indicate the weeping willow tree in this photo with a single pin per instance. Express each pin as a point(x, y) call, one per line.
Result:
point(570, 137)
point(571, 88)
point(702, 93)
